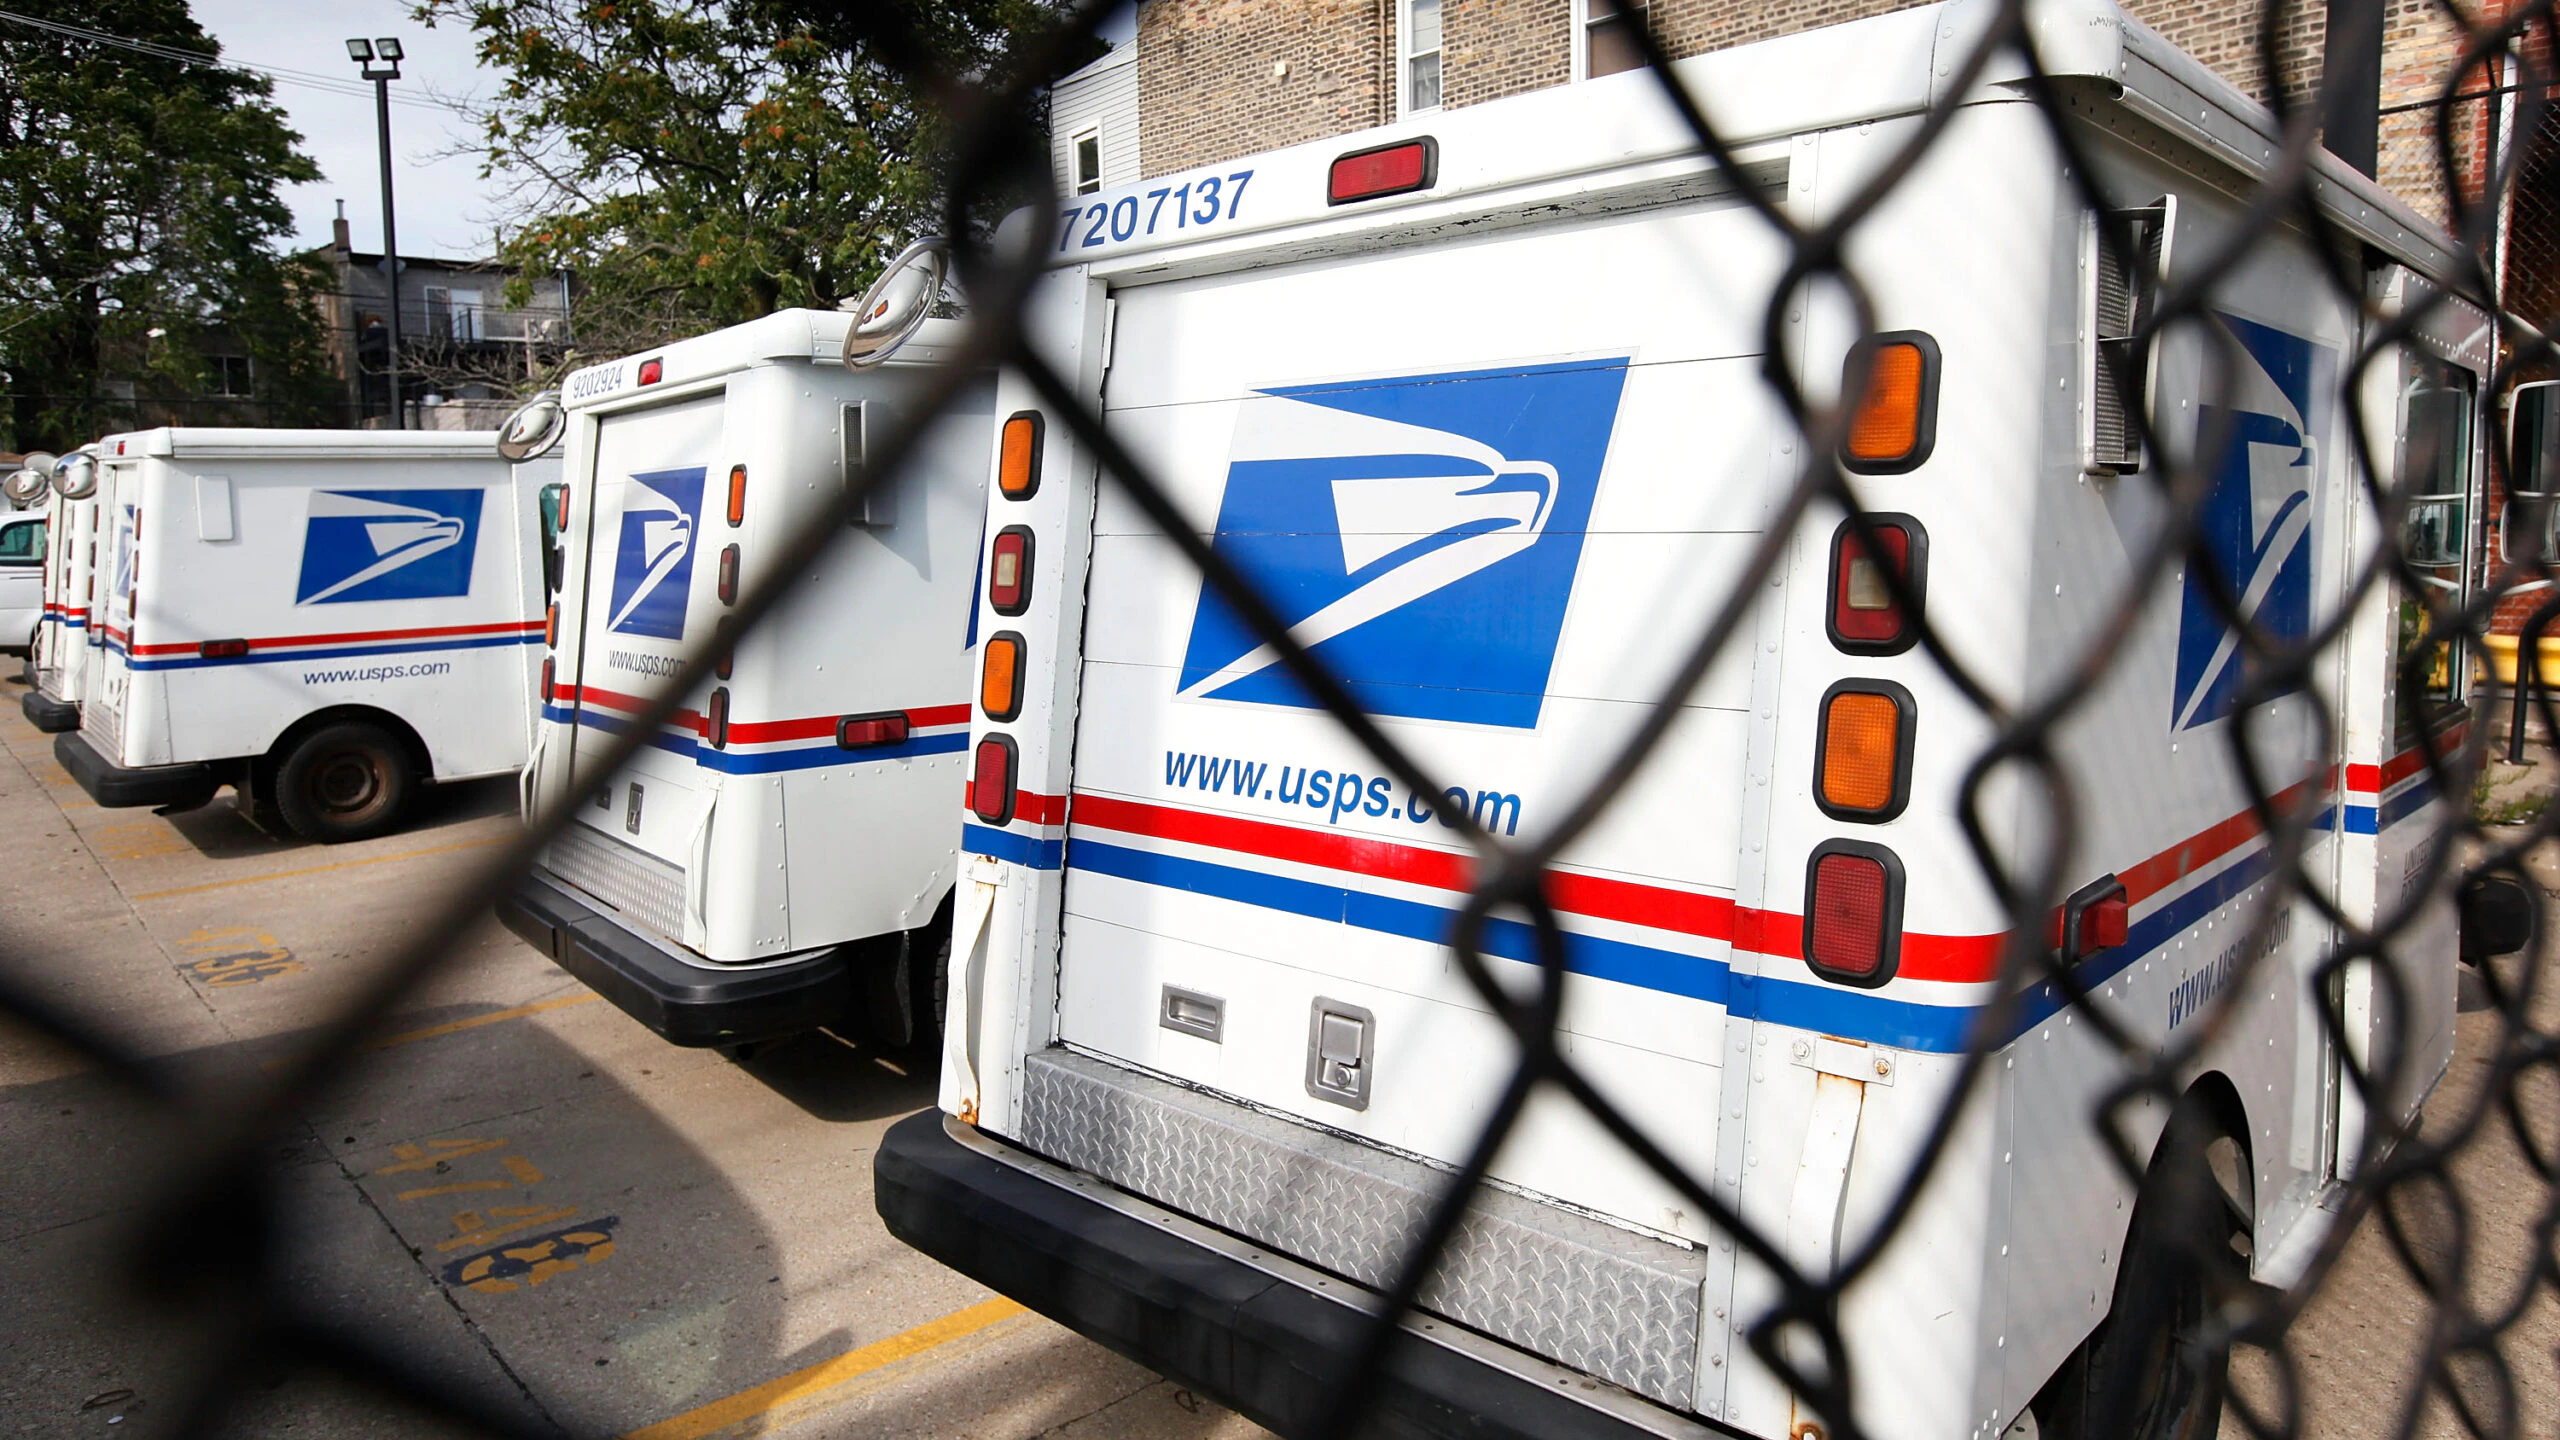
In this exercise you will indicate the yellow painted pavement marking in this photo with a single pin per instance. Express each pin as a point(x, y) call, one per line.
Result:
point(407, 1037)
point(321, 869)
point(801, 1386)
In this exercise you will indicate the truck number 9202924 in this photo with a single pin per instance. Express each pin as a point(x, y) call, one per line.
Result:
point(1205, 201)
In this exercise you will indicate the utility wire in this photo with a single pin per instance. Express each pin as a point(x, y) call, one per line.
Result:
point(335, 85)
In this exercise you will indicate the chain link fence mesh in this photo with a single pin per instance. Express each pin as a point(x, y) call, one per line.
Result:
point(2472, 1284)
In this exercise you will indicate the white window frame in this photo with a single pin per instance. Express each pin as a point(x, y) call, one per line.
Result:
point(1579, 44)
point(1405, 57)
point(1075, 146)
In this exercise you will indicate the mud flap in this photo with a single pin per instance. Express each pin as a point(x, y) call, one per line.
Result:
point(1813, 1213)
point(968, 977)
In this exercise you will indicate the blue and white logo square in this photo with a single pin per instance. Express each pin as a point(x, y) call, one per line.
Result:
point(653, 557)
point(2256, 520)
point(388, 545)
point(1418, 534)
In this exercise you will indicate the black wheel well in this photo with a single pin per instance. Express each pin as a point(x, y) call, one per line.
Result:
point(2221, 1099)
point(400, 729)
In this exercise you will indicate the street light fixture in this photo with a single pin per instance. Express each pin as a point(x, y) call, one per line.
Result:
point(364, 53)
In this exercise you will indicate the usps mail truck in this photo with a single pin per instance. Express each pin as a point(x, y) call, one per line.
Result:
point(325, 620)
point(1476, 401)
point(60, 663)
point(781, 856)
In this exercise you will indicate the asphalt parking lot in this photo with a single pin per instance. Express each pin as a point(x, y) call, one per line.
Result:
point(548, 1208)
point(534, 1198)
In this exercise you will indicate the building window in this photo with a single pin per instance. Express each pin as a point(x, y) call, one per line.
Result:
point(230, 375)
point(1604, 38)
point(1088, 148)
point(1421, 55)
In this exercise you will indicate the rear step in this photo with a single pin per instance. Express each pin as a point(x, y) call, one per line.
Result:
point(1586, 1294)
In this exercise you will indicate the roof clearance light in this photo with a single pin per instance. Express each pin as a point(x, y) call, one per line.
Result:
point(861, 732)
point(1018, 459)
point(729, 575)
point(1009, 571)
point(991, 780)
point(1895, 423)
point(1398, 169)
point(1000, 682)
point(1864, 619)
point(1864, 767)
point(652, 371)
point(1853, 912)
point(737, 495)
point(715, 719)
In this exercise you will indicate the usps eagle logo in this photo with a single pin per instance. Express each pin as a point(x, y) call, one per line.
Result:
point(653, 559)
point(388, 545)
point(2256, 520)
point(1419, 534)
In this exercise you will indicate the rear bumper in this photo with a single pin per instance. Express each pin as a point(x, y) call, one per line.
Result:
point(48, 714)
point(1262, 1334)
point(170, 787)
point(686, 1003)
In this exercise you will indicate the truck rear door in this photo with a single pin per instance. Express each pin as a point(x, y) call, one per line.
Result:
point(651, 549)
point(1487, 518)
point(112, 589)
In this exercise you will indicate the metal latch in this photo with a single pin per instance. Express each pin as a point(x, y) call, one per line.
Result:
point(631, 811)
point(1192, 1013)
point(1339, 1038)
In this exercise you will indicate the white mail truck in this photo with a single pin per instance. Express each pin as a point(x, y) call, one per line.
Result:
point(59, 664)
point(1477, 401)
point(780, 856)
point(325, 620)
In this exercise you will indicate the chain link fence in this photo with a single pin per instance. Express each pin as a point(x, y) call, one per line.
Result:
point(2417, 1185)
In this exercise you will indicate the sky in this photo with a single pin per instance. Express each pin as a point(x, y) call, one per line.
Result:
point(445, 209)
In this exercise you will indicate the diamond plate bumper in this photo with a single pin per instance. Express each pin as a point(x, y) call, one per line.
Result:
point(1581, 1292)
point(1258, 1332)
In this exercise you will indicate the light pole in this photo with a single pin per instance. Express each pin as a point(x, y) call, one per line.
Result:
point(364, 54)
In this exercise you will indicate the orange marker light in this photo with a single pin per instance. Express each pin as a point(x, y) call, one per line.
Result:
point(737, 494)
point(1894, 424)
point(1864, 770)
point(1018, 461)
point(551, 626)
point(1000, 677)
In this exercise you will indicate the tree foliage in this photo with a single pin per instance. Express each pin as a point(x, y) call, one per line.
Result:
point(141, 197)
point(697, 163)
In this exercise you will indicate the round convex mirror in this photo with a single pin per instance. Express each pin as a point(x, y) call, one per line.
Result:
point(75, 476)
point(899, 301)
point(23, 486)
point(534, 428)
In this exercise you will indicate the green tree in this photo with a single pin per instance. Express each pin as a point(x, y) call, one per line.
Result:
point(697, 163)
point(142, 216)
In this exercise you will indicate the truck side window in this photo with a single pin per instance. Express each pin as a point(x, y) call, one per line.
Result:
point(22, 544)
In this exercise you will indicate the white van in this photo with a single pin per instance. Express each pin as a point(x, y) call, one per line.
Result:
point(1476, 400)
point(785, 850)
point(59, 665)
point(324, 619)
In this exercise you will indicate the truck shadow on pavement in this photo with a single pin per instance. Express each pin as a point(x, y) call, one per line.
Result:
point(223, 830)
point(840, 1080)
point(502, 1209)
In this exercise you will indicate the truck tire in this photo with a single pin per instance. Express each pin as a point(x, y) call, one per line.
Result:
point(2144, 1373)
point(347, 781)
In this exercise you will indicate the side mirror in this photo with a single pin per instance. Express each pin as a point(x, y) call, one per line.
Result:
point(75, 476)
point(2533, 438)
point(897, 303)
point(533, 428)
point(24, 486)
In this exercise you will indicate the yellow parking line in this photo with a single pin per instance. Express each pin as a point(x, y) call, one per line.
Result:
point(406, 1037)
point(803, 1385)
point(320, 869)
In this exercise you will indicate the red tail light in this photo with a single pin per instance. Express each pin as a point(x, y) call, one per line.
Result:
point(729, 575)
point(715, 720)
point(1853, 912)
point(991, 780)
point(1396, 169)
point(652, 371)
point(737, 495)
point(1864, 619)
point(861, 732)
point(223, 649)
point(549, 674)
point(1009, 571)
